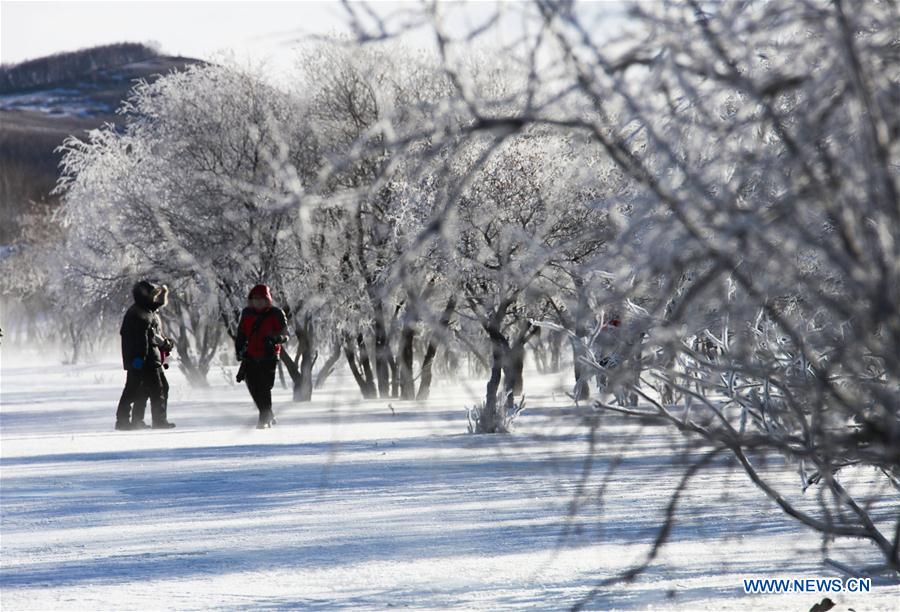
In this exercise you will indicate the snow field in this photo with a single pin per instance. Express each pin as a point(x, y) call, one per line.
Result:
point(369, 505)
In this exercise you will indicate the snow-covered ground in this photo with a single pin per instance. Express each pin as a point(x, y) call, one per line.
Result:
point(368, 504)
point(57, 101)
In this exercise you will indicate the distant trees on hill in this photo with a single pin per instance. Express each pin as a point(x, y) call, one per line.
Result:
point(69, 66)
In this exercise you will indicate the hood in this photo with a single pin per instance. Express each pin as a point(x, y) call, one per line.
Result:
point(142, 292)
point(149, 296)
point(261, 291)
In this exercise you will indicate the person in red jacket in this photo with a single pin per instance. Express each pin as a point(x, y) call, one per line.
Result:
point(261, 332)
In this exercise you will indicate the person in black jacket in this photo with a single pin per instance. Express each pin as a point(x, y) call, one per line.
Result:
point(143, 353)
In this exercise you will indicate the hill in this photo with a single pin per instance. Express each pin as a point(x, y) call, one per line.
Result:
point(81, 65)
point(45, 100)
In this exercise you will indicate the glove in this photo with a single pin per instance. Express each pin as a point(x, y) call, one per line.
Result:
point(137, 363)
point(164, 344)
point(271, 341)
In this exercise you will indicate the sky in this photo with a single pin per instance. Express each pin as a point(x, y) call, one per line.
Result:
point(261, 33)
point(256, 31)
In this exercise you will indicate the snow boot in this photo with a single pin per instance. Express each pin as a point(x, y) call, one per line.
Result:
point(163, 425)
point(139, 425)
point(123, 426)
point(266, 420)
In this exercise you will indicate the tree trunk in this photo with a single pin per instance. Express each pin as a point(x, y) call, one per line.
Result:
point(489, 416)
point(363, 378)
point(582, 387)
point(207, 336)
point(74, 341)
point(515, 364)
point(539, 350)
point(328, 366)
point(407, 384)
point(425, 377)
point(366, 361)
point(496, 408)
point(307, 351)
point(555, 349)
point(351, 362)
point(394, 369)
point(451, 363)
point(300, 367)
point(514, 358)
point(303, 387)
point(382, 353)
point(193, 370)
point(431, 351)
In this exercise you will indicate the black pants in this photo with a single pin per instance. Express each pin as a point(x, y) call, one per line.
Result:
point(260, 378)
point(141, 385)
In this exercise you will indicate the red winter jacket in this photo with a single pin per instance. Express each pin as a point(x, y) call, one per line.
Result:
point(264, 342)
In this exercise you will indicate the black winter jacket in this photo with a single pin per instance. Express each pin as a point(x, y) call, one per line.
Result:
point(142, 332)
point(139, 328)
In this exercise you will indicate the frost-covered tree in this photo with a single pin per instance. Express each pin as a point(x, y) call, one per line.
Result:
point(362, 100)
point(522, 221)
point(758, 251)
point(189, 193)
point(47, 301)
